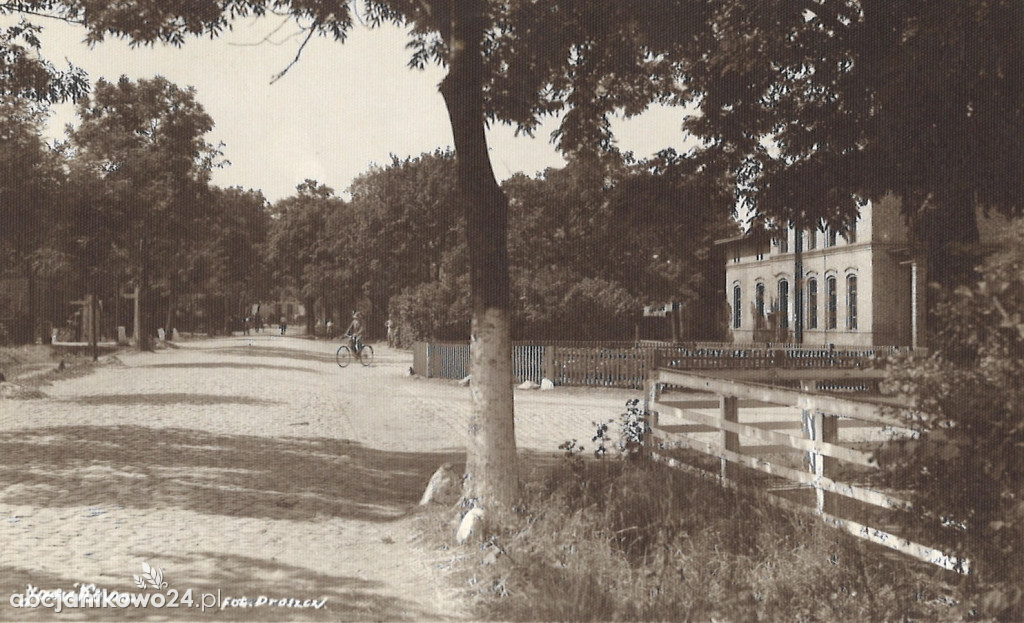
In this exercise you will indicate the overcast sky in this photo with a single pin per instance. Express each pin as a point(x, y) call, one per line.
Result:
point(342, 108)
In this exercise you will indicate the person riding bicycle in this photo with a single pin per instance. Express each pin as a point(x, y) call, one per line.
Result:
point(355, 333)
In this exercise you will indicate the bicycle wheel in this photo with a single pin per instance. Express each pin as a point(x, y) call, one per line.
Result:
point(366, 355)
point(343, 356)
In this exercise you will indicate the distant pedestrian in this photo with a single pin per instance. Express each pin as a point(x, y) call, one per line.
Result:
point(330, 329)
point(284, 325)
point(391, 333)
point(246, 325)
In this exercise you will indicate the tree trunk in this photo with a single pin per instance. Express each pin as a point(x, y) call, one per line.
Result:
point(33, 312)
point(143, 339)
point(310, 316)
point(172, 304)
point(492, 475)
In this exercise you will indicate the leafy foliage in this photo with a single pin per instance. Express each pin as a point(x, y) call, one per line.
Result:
point(140, 151)
point(970, 471)
point(815, 105)
point(25, 74)
point(633, 430)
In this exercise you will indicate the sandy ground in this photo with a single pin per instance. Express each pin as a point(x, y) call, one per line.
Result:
point(247, 467)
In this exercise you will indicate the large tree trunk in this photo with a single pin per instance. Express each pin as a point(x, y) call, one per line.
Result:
point(492, 474)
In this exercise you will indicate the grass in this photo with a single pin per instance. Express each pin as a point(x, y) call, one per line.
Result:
point(615, 540)
point(37, 365)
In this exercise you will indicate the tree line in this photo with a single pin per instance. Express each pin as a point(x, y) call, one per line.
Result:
point(124, 206)
point(590, 245)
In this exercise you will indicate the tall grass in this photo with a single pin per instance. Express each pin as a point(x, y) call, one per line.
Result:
point(634, 541)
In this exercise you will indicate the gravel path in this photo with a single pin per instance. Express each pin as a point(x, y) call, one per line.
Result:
point(250, 466)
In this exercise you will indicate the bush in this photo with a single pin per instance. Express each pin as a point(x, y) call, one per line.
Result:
point(970, 471)
point(431, 311)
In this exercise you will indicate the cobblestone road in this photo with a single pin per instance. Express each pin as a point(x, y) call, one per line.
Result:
point(253, 466)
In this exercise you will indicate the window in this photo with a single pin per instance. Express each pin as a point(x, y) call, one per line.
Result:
point(830, 240)
point(851, 302)
point(759, 300)
point(812, 239)
point(737, 307)
point(784, 304)
point(783, 243)
point(831, 303)
point(812, 303)
point(851, 232)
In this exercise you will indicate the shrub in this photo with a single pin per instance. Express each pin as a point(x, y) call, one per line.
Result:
point(970, 471)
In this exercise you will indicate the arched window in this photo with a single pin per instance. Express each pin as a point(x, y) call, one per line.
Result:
point(831, 303)
point(812, 303)
point(737, 306)
point(851, 302)
point(830, 237)
point(784, 304)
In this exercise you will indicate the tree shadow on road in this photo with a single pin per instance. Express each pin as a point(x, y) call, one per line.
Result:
point(298, 479)
point(226, 364)
point(275, 352)
point(181, 398)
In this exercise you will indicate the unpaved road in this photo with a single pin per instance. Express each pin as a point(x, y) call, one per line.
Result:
point(246, 467)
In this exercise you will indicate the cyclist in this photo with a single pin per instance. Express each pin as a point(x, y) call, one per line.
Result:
point(355, 333)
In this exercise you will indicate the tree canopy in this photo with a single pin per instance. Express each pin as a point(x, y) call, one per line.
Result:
point(817, 105)
point(144, 141)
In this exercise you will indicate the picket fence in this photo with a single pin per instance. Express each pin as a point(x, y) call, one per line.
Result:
point(626, 364)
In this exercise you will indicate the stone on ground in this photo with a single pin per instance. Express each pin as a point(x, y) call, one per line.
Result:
point(443, 487)
point(472, 524)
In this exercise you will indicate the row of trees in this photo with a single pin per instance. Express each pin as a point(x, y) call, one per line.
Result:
point(590, 244)
point(126, 201)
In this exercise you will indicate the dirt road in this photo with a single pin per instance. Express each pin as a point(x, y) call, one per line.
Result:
point(246, 467)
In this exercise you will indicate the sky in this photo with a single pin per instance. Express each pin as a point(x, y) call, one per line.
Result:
point(341, 109)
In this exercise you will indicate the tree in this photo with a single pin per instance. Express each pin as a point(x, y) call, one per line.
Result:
point(144, 141)
point(31, 180)
point(404, 220)
point(298, 244)
point(511, 61)
point(818, 105)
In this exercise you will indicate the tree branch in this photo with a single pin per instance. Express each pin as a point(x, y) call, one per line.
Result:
point(8, 7)
point(298, 55)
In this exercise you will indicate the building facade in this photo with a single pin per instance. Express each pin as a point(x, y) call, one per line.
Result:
point(858, 287)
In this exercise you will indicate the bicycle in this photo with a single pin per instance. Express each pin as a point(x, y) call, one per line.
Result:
point(363, 353)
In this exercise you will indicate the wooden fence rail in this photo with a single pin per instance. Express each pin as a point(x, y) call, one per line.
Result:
point(786, 443)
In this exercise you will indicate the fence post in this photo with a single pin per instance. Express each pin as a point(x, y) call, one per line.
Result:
point(730, 441)
point(548, 363)
point(652, 391)
point(826, 428)
point(821, 428)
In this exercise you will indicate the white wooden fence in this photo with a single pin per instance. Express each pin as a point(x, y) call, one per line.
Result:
point(780, 442)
